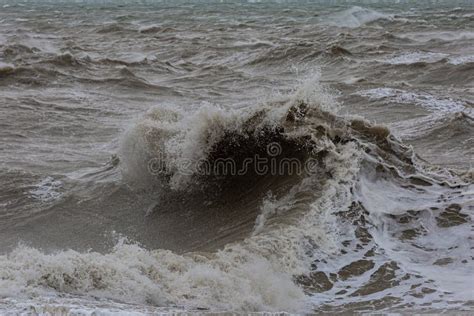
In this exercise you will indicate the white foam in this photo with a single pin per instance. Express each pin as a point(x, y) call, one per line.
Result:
point(414, 57)
point(384, 196)
point(133, 275)
point(420, 254)
point(426, 100)
point(47, 190)
point(460, 60)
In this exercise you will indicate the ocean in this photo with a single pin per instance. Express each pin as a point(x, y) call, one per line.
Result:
point(298, 157)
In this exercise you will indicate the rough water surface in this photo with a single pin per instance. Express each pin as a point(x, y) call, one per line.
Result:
point(110, 113)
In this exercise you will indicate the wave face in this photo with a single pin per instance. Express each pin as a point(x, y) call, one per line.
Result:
point(226, 158)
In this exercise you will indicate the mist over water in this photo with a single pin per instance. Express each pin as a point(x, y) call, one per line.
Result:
point(248, 157)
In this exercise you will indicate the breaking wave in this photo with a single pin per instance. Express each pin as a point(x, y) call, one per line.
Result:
point(356, 225)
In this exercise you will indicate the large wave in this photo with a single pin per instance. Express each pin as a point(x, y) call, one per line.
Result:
point(358, 222)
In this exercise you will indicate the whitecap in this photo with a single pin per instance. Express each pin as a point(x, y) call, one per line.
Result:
point(423, 99)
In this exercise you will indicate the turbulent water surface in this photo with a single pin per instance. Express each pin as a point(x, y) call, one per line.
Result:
point(376, 100)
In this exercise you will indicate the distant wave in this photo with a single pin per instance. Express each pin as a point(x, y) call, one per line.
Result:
point(355, 17)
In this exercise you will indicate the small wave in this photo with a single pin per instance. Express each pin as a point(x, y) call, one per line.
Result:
point(6, 69)
point(128, 79)
point(355, 17)
point(31, 75)
point(129, 58)
point(276, 55)
point(111, 28)
point(426, 57)
point(47, 190)
point(126, 59)
point(253, 43)
point(149, 29)
point(419, 128)
point(66, 59)
point(415, 57)
point(461, 60)
point(447, 36)
point(339, 51)
point(13, 50)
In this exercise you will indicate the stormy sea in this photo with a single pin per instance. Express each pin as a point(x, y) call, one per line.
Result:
point(299, 157)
